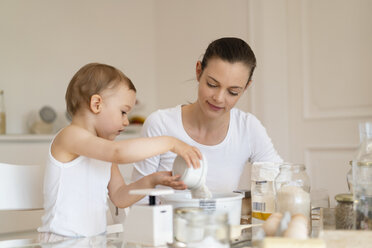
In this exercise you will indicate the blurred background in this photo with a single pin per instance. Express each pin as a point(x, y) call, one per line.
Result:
point(312, 85)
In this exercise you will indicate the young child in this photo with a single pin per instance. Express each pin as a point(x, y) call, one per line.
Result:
point(82, 166)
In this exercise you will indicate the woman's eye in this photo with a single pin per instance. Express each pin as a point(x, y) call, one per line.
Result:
point(211, 85)
point(233, 93)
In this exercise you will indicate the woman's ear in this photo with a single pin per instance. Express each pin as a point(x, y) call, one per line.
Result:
point(96, 103)
point(198, 70)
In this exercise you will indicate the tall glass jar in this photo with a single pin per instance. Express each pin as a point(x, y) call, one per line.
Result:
point(362, 186)
point(292, 187)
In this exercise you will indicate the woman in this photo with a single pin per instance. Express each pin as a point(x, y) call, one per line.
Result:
point(228, 137)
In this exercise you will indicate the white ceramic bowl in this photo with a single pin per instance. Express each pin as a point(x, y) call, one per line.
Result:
point(193, 178)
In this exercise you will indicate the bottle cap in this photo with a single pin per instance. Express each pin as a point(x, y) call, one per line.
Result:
point(344, 197)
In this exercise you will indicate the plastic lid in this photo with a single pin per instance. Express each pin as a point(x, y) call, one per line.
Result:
point(344, 197)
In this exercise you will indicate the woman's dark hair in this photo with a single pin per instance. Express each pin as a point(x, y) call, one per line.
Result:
point(232, 50)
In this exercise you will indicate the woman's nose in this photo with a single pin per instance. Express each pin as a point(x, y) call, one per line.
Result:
point(218, 96)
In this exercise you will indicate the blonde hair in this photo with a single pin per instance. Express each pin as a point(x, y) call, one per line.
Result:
point(92, 79)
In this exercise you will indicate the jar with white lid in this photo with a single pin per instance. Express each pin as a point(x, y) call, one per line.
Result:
point(292, 187)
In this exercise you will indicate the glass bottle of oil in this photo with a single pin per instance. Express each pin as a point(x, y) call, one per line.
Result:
point(2, 113)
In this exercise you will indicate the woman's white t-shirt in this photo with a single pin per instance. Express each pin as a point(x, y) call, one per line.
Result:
point(246, 141)
point(75, 197)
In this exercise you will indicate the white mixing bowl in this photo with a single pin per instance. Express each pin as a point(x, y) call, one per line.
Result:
point(231, 203)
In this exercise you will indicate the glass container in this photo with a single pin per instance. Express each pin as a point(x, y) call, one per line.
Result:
point(362, 179)
point(203, 229)
point(362, 187)
point(292, 187)
point(344, 211)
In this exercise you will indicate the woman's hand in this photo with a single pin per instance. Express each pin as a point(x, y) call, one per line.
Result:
point(165, 178)
point(190, 154)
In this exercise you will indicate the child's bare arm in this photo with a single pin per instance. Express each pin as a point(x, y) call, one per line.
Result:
point(119, 190)
point(75, 141)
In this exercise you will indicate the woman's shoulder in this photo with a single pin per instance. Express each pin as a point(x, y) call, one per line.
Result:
point(162, 114)
point(162, 119)
point(243, 117)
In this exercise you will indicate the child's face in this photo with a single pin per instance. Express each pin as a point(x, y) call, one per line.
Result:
point(113, 117)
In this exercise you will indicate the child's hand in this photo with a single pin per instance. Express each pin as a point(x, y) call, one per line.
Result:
point(190, 154)
point(165, 178)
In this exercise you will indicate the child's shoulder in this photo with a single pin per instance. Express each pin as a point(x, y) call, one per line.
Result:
point(71, 132)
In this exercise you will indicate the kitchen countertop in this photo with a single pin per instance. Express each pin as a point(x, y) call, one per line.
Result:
point(29, 239)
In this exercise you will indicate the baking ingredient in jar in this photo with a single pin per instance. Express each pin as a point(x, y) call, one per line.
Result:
point(298, 227)
point(344, 211)
point(271, 225)
point(293, 199)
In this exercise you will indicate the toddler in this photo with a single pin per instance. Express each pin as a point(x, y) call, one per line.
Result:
point(82, 166)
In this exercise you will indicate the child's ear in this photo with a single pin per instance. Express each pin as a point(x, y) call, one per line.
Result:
point(96, 103)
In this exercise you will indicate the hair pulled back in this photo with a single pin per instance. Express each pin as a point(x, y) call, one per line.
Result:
point(232, 50)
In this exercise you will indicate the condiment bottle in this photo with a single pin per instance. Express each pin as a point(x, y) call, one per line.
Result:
point(292, 187)
point(344, 211)
point(2, 113)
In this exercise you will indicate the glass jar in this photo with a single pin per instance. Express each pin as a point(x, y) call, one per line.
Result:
point(204, 229)
point(344, 211)
point(349, 178)
point(362, 177)
point(292, 187)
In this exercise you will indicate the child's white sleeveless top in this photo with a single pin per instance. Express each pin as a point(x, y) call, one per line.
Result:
point(75, 197)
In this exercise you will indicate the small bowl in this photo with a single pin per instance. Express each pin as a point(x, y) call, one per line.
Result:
point(193, 178)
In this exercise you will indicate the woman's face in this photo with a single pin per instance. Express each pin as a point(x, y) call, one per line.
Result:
point(221, 84)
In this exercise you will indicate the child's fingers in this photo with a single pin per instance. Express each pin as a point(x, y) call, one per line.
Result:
point(196, 163)
point(200, 156)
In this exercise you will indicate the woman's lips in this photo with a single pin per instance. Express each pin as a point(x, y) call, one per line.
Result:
point(214, 107)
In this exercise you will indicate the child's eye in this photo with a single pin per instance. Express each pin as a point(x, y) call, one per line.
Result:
point(211, 85)
point(123, 112)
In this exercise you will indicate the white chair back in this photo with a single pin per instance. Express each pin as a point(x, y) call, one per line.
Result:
point(21, 187)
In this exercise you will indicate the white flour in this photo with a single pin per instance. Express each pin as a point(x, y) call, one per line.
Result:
point(201, 192)
point(293, 199)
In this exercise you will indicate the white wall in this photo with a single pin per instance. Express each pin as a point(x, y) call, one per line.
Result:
point(43, 43)
point(156, 43)
point(183, 32)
